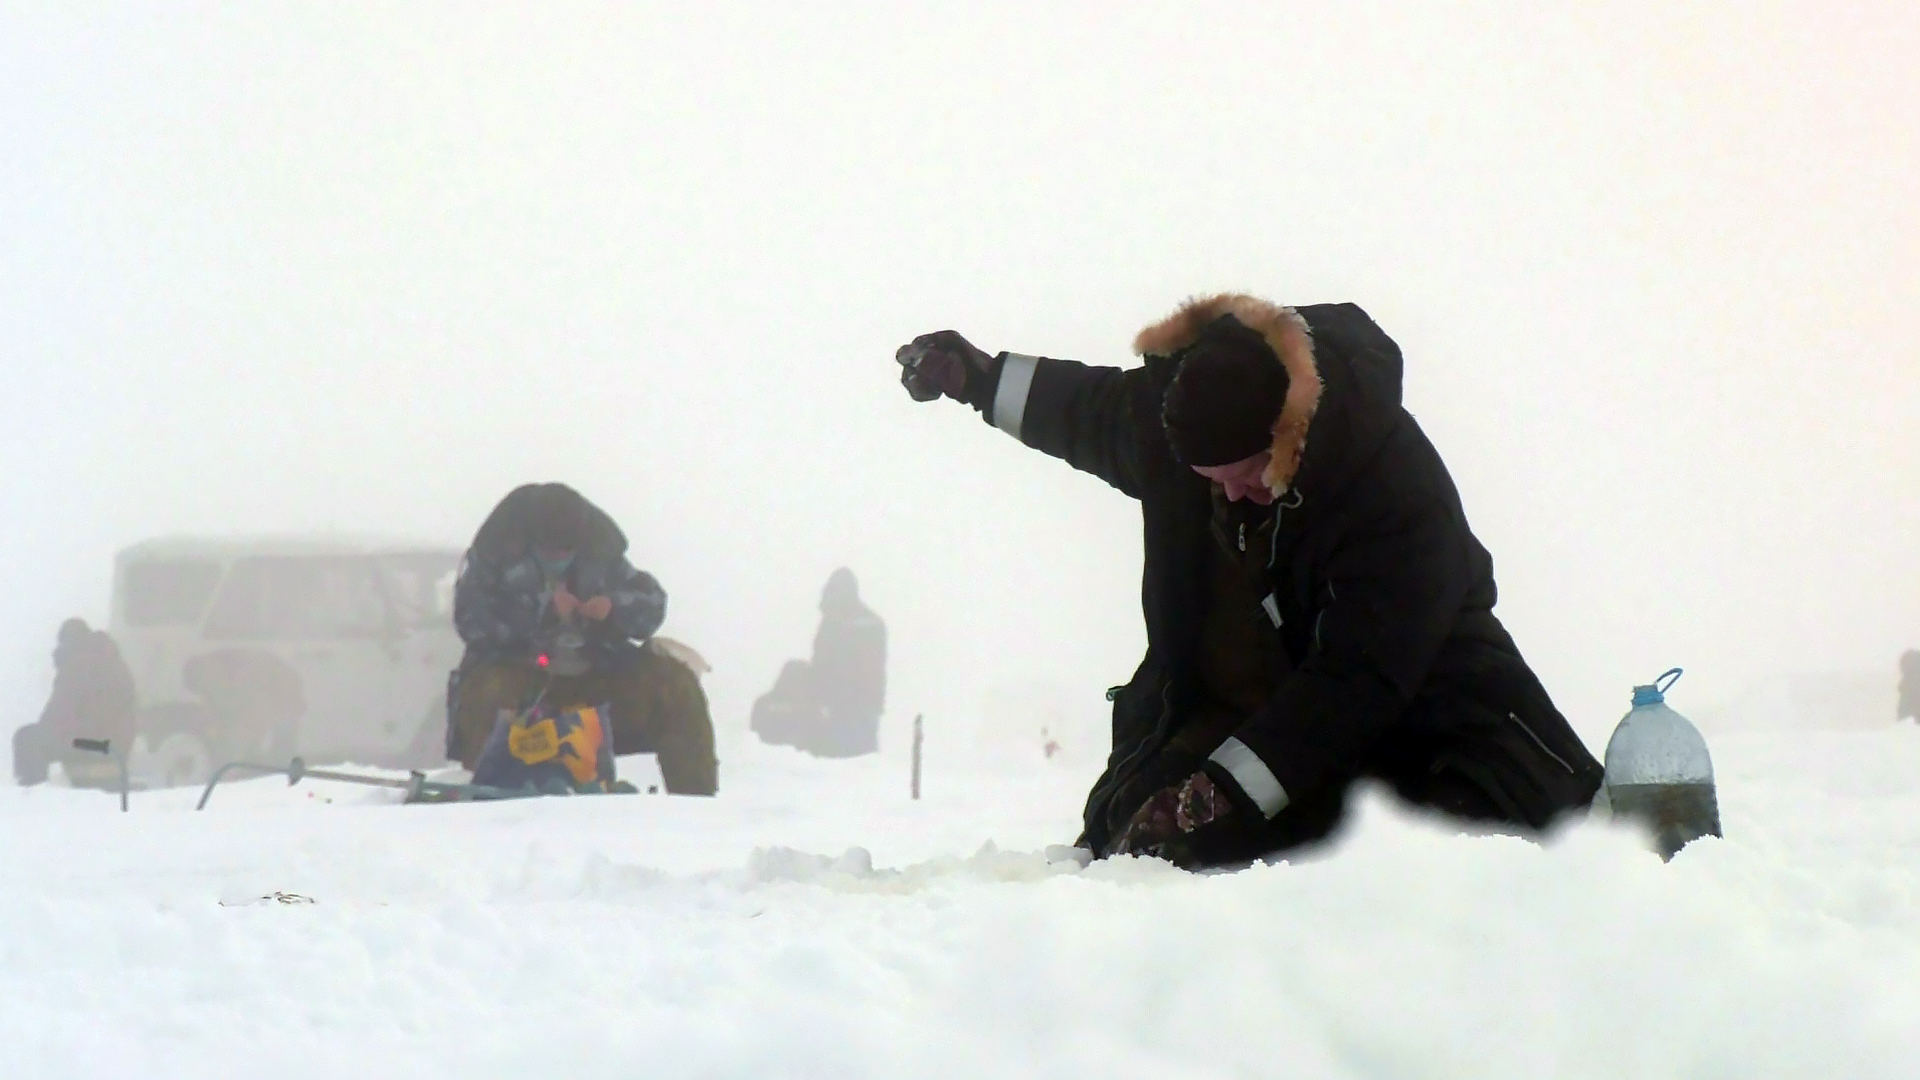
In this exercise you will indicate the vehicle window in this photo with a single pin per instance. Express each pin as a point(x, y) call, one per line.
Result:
point(415, 584)
point(317, 598)
point(167, 593)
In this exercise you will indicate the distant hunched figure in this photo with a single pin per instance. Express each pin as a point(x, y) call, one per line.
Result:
point(831, 706)
point(93, 698)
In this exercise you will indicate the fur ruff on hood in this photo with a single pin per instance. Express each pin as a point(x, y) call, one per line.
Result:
point(1287, 333)
point(508, 531)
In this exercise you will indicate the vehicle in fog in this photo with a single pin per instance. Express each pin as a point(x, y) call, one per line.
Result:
point(335, 649)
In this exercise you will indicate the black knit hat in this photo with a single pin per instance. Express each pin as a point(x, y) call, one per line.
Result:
point(1225, 396)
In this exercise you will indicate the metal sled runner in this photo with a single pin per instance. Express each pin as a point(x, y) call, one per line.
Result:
point(416, 785)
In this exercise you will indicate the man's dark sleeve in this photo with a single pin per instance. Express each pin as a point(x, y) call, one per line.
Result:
point(639, 603)
point(476, 607)
point(1391, 600)
point(1078, 413)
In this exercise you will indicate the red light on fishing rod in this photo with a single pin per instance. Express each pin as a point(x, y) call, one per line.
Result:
point(541, 660)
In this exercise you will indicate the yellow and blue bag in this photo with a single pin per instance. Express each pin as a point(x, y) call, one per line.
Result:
point(550, 750)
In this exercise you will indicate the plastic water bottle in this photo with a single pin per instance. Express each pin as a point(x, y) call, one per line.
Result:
point(1659, 773)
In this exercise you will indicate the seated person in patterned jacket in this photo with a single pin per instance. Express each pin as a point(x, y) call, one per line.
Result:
point(550, 608)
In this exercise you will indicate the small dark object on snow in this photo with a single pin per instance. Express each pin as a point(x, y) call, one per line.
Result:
point(274, 897)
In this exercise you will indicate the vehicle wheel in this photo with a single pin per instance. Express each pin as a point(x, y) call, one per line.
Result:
point(180, 760)
point(175, 744)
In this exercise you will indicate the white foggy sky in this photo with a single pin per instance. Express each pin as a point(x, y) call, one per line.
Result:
point(290, 267)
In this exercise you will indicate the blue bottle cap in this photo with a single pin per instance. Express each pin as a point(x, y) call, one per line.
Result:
point(1656, 693)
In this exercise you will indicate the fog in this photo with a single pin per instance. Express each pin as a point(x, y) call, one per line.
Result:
point(299, 267)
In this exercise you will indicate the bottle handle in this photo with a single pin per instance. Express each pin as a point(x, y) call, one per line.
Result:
point(1667, 679)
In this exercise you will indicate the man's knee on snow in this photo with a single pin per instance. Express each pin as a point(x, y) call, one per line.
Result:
point(30, 755)
point(679, 725)
point(658, 696)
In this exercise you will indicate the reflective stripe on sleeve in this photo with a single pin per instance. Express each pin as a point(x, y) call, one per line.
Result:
point(1010, 401)
point(1251, 774)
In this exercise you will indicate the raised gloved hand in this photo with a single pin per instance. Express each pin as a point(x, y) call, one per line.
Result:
point(944, 363)
point(1170, 815)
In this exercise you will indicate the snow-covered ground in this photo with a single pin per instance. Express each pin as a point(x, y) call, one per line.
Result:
point(814, 922)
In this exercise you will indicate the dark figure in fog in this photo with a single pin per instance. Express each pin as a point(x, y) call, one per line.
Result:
point(831, 707)
point(93, 698)
point(1910, 685)
point(789, 714)
point(257, 700)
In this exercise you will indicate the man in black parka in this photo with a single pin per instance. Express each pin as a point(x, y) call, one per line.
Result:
point(1317, 609)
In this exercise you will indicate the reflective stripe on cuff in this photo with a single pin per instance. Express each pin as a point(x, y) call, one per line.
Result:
point(1251, 774)
point(1010, 401)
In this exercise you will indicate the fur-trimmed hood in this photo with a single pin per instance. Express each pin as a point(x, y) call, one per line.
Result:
point(1292, 341)
point(508, 531)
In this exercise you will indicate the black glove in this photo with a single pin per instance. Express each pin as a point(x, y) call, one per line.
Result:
point(946, 363)
point(1162, 828)
point(1165, 769)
